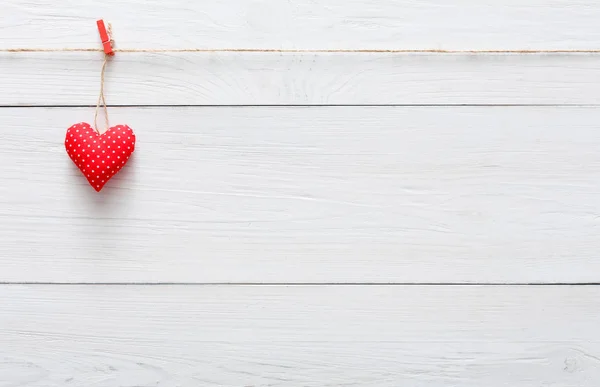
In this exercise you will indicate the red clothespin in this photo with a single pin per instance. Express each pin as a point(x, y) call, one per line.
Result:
point(108, 50)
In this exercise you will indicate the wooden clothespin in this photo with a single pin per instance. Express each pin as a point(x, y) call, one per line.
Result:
point(106, 43)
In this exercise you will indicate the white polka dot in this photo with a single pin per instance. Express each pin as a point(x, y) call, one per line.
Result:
point(102, 161)
point(93, 150)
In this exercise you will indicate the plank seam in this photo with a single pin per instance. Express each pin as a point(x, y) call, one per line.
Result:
point(305, 105)
point(8, 283)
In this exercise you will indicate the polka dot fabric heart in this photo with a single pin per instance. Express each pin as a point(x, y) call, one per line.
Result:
point(99, 156)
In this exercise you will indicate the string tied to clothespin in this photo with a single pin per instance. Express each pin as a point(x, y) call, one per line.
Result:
point(107, 44)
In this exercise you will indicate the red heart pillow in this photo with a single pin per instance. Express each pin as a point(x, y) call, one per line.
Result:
point(99, 156)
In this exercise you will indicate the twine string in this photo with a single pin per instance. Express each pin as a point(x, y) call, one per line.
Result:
point(101, 97)
point(307, 51)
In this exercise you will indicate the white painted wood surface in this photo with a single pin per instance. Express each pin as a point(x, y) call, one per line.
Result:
point(425, 336)
point(307, 24)
point(319, 194)
point(327, 195)
point(313, 79)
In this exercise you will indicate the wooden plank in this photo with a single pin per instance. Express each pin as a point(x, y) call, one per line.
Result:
point(426, 336)
point(307, 79)
point(321, 194)
point(328, 24)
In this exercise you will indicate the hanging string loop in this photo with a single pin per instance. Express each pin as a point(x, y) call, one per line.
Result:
point(101, 98)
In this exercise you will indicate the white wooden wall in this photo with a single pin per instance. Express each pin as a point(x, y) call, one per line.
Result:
point(304, 219)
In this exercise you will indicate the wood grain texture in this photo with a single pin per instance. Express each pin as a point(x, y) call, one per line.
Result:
point(424, 336)
point(328, 24)
point(319, 194)
point(414, 191)
point(306, 79)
